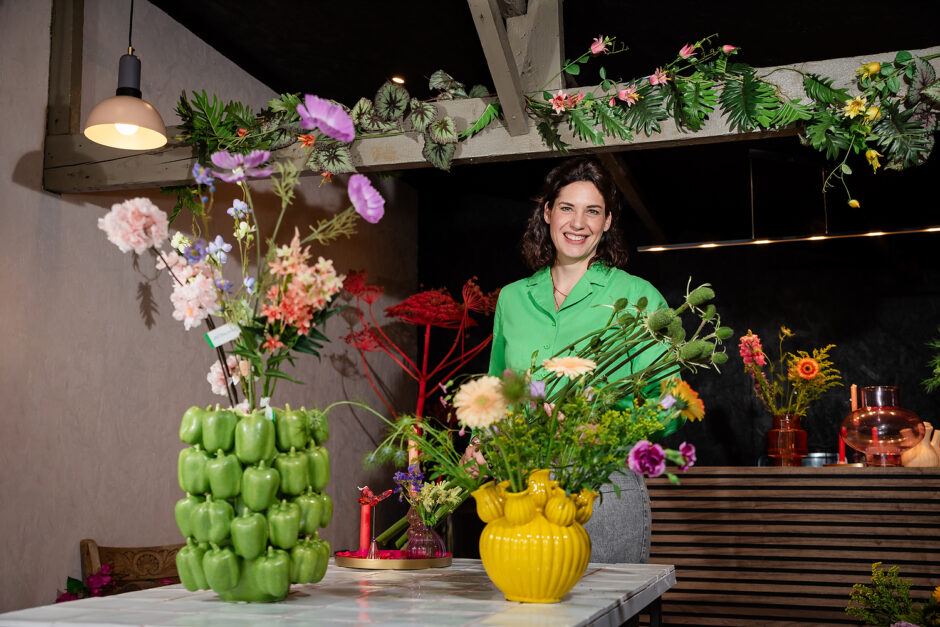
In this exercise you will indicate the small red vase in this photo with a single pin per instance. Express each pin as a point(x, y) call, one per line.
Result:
point(786, 441)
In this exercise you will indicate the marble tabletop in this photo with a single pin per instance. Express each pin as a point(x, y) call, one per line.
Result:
point(608, 594)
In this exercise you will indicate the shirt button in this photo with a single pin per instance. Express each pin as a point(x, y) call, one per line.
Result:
point(553, 324)
point(547, 346)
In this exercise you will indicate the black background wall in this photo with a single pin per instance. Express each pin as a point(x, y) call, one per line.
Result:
point(876, 298)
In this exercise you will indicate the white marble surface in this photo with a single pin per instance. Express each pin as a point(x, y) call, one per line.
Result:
point(608, 594)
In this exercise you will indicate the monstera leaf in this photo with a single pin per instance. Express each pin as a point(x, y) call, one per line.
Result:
point(421, 114)
point(391, 101)
point(489, 114)
point(438, 155)
point(749, 103)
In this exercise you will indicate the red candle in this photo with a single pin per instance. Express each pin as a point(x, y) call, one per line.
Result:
point(842, 435)
point(365, 526)
point(874, 435)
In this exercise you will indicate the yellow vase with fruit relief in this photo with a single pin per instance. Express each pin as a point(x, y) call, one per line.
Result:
point(534, 547)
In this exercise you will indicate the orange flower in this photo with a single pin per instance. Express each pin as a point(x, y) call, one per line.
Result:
point(694, 407)
point(307, 140)
point(806, 368)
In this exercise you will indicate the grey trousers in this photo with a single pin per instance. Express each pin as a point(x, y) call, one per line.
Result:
point(620, 528)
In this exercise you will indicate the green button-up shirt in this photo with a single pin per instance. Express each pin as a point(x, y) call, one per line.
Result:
point(526, 320)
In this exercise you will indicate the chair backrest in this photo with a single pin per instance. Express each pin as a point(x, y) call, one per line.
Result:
point(135, 568)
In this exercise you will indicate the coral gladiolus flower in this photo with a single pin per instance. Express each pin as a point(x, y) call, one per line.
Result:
point(480, 403)
point(854, 204)
point(559, 102)
point(659, 77)
point(869, 69)
point(569, 366)
point(854, 107)
point(807, 368)
point(272, 343)
point(687, 51)
point(872, 156)
point(728, 49)
point(599, 45)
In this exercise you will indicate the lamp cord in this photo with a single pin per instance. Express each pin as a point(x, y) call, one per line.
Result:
point(130, 30)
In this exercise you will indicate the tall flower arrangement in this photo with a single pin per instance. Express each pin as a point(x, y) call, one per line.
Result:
point(271, 306)
point(793, 383)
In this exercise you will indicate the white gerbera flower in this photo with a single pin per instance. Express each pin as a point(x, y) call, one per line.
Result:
point(480, 402)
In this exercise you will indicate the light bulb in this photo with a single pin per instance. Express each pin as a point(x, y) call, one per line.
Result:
point(126, 129)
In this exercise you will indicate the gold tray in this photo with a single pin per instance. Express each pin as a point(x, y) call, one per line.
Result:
point(392, 564)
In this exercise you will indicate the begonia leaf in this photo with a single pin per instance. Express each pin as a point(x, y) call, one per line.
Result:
point(421, 114)
point(360, 109)
point(391, 101)
point(443, 131)
point(333, 157)
point(438, 155)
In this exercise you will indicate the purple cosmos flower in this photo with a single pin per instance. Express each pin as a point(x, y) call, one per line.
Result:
point(202, 174)
point(249, 284)
point(223, 284)
point(537, 389)
point(218, 248)
point(238, 210)
point(195, 253)
point(241, 166)
point(667, 401)
point(688, 452)
point(647, 459)
point(331, 119)
point(367, 201)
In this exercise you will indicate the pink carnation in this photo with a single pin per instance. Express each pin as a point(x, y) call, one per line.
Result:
point(136, 224)
point(688, 452)
point(647, 459)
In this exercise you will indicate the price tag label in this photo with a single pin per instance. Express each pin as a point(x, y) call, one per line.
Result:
point(223, 334)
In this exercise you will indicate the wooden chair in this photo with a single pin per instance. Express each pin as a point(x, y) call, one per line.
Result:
point(135, 568)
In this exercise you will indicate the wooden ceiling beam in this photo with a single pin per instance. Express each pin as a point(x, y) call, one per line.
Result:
point(537, 41)
point(74, 164)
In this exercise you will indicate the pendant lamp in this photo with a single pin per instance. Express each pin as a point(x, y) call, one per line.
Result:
point(125, 120)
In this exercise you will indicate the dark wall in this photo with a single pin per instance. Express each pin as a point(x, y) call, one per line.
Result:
point(876, 298)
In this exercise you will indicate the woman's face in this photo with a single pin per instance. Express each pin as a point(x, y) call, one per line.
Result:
point(576, 221)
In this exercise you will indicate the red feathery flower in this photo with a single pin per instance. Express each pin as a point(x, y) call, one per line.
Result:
point(432, 307)
point(364, 340)
point(476, 300)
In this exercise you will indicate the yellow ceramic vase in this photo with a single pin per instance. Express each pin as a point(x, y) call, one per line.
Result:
point(533, 547)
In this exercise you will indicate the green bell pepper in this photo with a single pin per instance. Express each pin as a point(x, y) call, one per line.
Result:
point(324, 547)
point(189, 566)
point(254, 438)
point(293, 467)
point(319, 427)
point(259, 486)
point(283, 524)
point(211, 520)
point(304, 561)
point(311, 511)
point(191, 468)
point(318, 460)
point(218, 429)
point(191, 425)
point(250, 535)
point(225, 475)
point(222, 568)
point(274, 572)
point(183, 512)
point(327, 512)
point(292, 429)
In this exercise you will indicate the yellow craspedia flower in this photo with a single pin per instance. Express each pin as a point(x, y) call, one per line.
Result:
point(869, 69)
point(872, 156)
point(854, 204)
point(854, 107)
point(873, 113)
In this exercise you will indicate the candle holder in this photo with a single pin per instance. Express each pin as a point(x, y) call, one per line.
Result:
point(880, 428)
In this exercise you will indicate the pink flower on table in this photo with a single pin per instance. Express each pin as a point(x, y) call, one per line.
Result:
point(365, 198)
point(216, 377)
point(628, 95)
point(659, 77)
point(688, 452)
point(599, 45)
point(66, 596)
point(559, 101)
point(728, 49)
point(236, 168)
point(647, 459)
point(331, 119)
point(136, 224)
point(687, 51)
point(195, 300)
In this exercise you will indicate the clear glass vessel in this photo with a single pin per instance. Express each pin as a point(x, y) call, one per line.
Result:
point(880, 428)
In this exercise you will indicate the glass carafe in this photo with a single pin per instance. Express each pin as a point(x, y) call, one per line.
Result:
point(880, 428)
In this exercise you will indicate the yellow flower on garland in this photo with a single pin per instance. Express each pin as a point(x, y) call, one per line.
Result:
point(872, 114)
point(869, 69)
point(854, 204)
point(854, 107)
point(872, 156)
point(690, 405)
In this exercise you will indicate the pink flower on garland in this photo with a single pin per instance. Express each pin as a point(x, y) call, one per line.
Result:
point(659, 77)
point(728, 49)
point(628, 95)
point(365, 198)
point(647, 459)
point(331, 119)
point(574, 100)
point(688, 453)
point(559, 101)
point(687, 51)
point(240, 167)
point(599, 45)
point(136, 224)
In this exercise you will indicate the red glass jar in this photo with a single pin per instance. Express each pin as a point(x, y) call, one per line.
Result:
point(786, 441)
point(880, 428)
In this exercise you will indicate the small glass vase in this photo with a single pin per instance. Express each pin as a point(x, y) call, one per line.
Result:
point(423, 542)
point(880, 428)
point(786, 441)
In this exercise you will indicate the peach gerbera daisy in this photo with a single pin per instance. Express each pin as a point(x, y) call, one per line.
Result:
point(480, 402)
point(568, 366)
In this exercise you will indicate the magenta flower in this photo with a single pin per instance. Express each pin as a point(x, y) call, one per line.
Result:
point(331, 119)
point(687, 51)
point(599, 45)
point(728, 49)
point(688, 452)
point(659, 77)
point(365, 198)
point(559, 101)
point(647, 459)
point(240, 167)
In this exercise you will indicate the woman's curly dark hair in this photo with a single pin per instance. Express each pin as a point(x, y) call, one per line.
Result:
point(537, 247)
